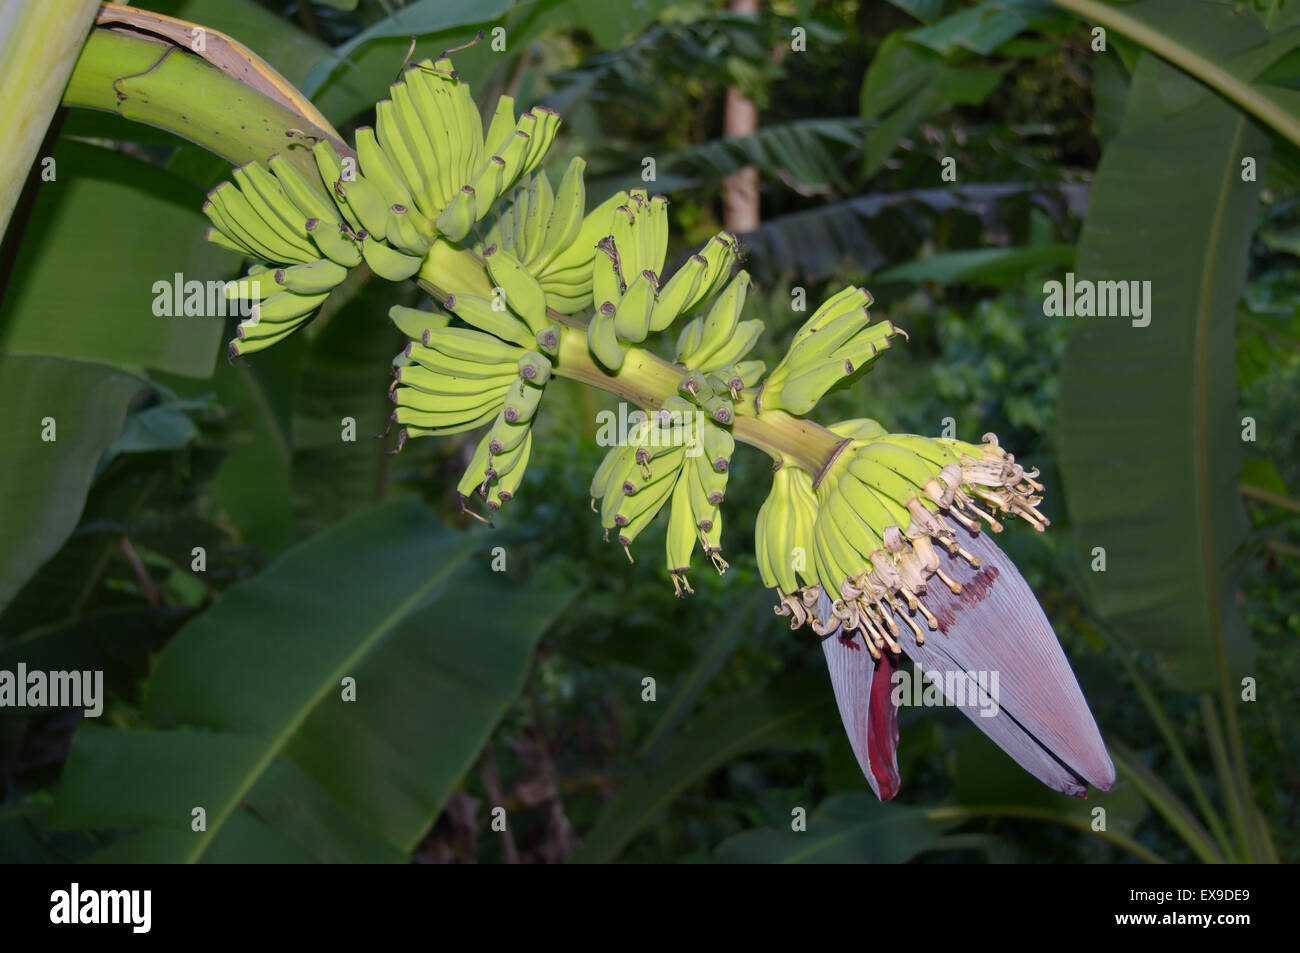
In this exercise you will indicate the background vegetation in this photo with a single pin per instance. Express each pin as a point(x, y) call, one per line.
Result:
point(327, 558)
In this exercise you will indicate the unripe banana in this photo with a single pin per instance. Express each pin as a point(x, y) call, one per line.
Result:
point(414, 323)
point(333, 243)
point(380, 169)
point(481, 313)
point(523, 294)
point(632, 314)
point(315, 277)
point(459, 217)
point(285, 306)
point(387, 263)
point(548, 340)
point(676, 297)
point(400, 147)
point(403, 233)
point(472, 345)
point(521, 403)
point(500, 126)
point(602, 339)
point(565, 222)
point(535, 368)
point(441, 363)
point(440, 382)
point(308, 195)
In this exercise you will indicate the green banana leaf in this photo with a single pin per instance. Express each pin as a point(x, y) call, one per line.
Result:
point(81, 290)
point(358, 72)
point(247, 717)
point(345, 373)
point(254, 484)
point(43, 484)
point(999, 267)
point(1224, 46)
point(905, 85)
point(292, 51)
point(850, 828)
point(1150, 428)
point(37, 53)
point(729, 728)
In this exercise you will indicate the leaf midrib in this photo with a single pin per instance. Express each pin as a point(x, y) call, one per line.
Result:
point(280, 741)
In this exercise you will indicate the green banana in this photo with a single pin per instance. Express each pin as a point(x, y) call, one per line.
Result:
point(393, 140)
point(602, 338)
point(470, 345)
point(403, 233)
point(632, 314)
point(304, 193)
point(521, 403)
point(523, 294)
point(380, 169)
point(679, 294)
point(333, 243)
point(719, 325)
point(388, 263)
point(413, 322)
point(441, 363)
point(535, 368)
point(481, 313)
point(314, 277)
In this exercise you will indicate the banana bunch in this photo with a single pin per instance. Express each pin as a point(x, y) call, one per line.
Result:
point(880, 511)
point(625, 276)
point(783, 542)
point(423, 175)
point(833, 344)
point(630, 300)
point(279, 217)
point(635, 479)
point(696, 514)
point(430, 143)
point(545, 230)
point(713, 345)
point(507, 150)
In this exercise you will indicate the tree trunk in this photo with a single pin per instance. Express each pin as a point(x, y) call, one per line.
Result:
point(740, 189)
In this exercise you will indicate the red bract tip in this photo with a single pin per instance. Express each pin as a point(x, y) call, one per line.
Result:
point(993, 625)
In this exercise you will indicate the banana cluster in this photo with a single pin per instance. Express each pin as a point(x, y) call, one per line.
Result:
point(279, 217)
point(696, 514)
point(833, 344)
point(423, 176)
point(544, 229)
point(880, 510)
point(452, 379)
point(712, 346)
point(629, 302)
point(635, 478)
point(784, 541)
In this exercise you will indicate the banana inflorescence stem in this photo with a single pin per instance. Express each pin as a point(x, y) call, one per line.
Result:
point(646, 380)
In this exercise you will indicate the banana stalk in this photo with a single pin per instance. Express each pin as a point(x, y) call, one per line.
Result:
point(37, 53)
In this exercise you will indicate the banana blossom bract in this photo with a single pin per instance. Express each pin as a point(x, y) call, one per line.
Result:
point(993, 625)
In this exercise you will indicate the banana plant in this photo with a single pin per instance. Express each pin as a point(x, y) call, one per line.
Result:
point(876, 542)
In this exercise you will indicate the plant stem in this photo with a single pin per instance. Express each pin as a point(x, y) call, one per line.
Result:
point(1167, 732)
point(1273, 499)
point(37, 53)
point(1017, 812)
point(646, 380)
point(1170, 48)
point(162, 85)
